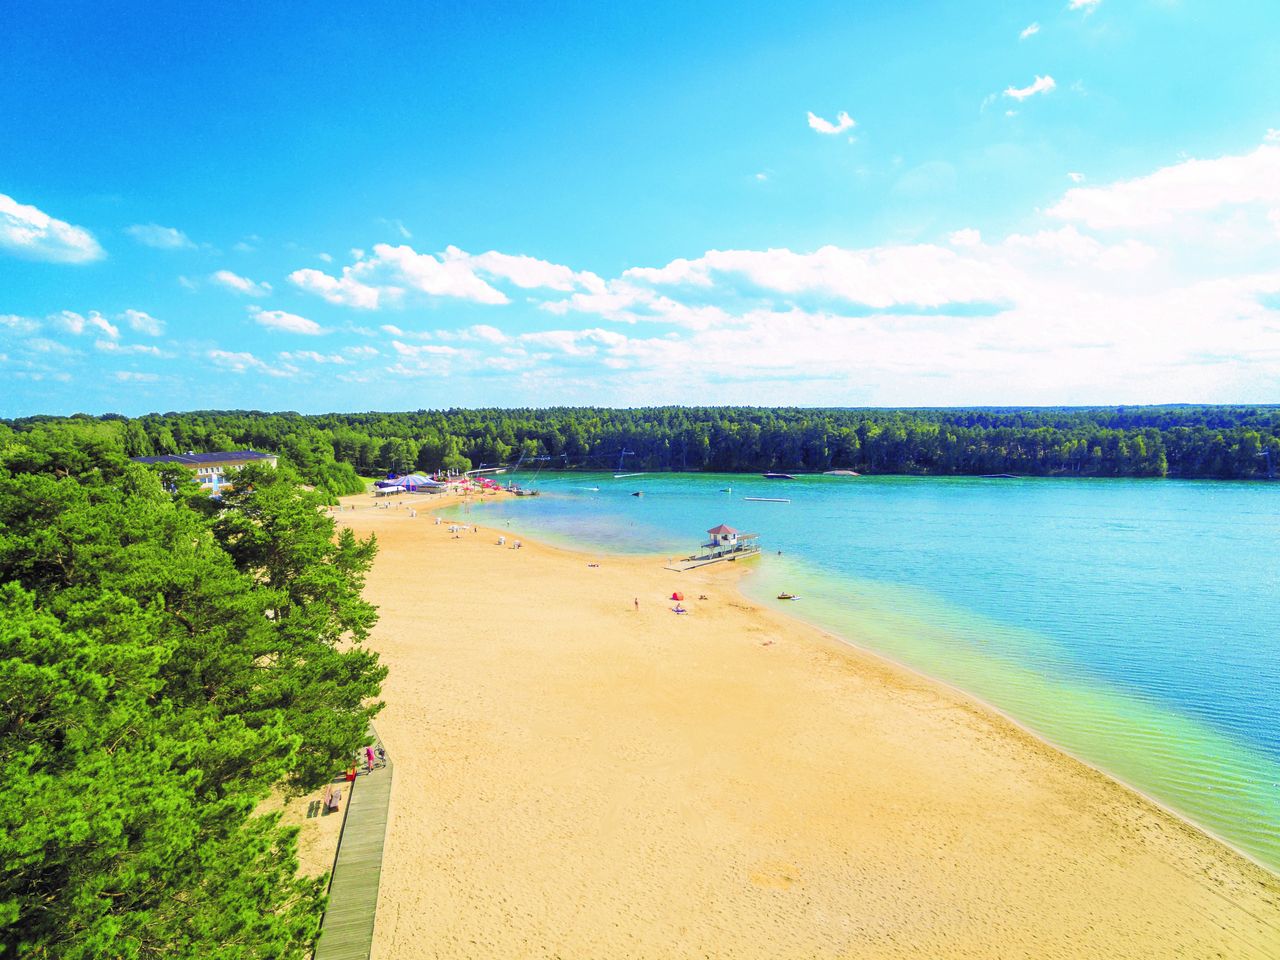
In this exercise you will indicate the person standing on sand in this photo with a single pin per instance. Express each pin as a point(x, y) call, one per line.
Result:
point(637, 604)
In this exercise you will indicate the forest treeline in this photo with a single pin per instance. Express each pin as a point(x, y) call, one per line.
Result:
point(332, 450)
point(168, 662)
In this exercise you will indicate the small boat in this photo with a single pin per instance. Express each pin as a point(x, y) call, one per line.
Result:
point(619, 476)
point(592, 489)
point(778, 476)
point(787, 596)
point(638, 493)
point(767, 499)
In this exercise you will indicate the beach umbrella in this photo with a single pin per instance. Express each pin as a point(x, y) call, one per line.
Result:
point(677, 596)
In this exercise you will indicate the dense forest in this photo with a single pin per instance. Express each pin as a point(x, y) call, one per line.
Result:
point(167, 662)
point(332, 450)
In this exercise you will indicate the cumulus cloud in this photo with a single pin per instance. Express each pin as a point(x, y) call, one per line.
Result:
point(345, 290)
point(1088, 6)
point(110, 346)
point(1030, 31)
point(1173, 192)
point(1039, 85)
point(143, 322)
point(243, 285)
point(428, 349)
point(19, 325)
point(32, 233)
point(313, 357)
point(76, 323)
point(393, 273)
point(843, 122)
point(1075, 177)
point(162, 238)
point(288, 322)
point(882, 277)
point(241, 362)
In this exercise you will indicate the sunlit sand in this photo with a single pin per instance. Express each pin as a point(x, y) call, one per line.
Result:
point(578, 778)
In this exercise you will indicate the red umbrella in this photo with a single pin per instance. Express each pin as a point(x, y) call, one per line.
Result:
point(677, 596)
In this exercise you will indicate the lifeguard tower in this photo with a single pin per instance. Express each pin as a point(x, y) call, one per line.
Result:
point(724, 543)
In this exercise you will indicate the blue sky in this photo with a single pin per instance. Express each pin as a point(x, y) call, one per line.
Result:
point(318, 207)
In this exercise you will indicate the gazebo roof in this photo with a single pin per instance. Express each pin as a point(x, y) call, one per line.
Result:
point(723, 528)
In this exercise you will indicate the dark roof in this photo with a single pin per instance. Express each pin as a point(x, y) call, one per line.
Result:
point(195, 459)
point(723, 528)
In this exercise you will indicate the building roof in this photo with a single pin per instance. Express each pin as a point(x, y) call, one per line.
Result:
point(196, 459)
point(723, 528)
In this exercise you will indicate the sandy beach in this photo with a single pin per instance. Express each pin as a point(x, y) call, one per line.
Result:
point(577, 777)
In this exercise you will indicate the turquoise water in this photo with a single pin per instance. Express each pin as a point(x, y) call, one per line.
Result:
point(1135, 623)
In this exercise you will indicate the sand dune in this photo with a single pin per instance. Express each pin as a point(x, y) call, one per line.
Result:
point(579, 779)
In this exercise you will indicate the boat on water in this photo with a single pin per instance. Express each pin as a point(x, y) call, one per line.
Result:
point(767, 499)
point(787, 596)
point(619, 476)
point(638, 493)
point(778, 476)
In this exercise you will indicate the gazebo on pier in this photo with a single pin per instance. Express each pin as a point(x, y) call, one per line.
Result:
point(725, 540)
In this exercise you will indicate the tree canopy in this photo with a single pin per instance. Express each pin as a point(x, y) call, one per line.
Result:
point(166, 662)
point(331, 451)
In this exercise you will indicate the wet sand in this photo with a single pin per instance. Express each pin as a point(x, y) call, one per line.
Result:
point(577, 778)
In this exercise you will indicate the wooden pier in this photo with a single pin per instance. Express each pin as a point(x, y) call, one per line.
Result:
point(346, 932)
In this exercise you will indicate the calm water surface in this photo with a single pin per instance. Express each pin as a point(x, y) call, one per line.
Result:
point(1136, 623)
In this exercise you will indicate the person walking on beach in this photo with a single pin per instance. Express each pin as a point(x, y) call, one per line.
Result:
point(637, 604)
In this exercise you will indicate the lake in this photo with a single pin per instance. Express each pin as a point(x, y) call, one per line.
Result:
point(1134, 623)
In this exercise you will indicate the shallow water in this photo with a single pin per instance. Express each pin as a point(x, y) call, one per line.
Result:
point(1136, 623)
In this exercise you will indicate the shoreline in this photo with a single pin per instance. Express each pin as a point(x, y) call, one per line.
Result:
point(1038, 737)
point(1188, 860)
point(978, 701)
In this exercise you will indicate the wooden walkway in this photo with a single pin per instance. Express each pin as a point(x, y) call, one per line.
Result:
point(346, 933)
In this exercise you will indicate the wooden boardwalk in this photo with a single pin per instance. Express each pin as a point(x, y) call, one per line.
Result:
point(346, 932)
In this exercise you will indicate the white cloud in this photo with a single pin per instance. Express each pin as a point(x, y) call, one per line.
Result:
point(1039, 85)
point(1031, 31)
point(110, 346)
point(482, 331)
point(1173, 192)
point(1088, 6)
point(1075, 177)
point(32, 233)
point(298, 355)
point(843, 122)
point(428, 349)
point(966, 238)
point(143, 322)
point(326, 257)
point(19, 325)
point(525, 272)
point(162, 238)
point(360, 351)
point(1272, 136)
point(76, 323)
point(288, 322)
point(881, 277)
point(345, 290)
point(246, 362)
point(393, 275)
point(239, 284)
point(133, 376)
